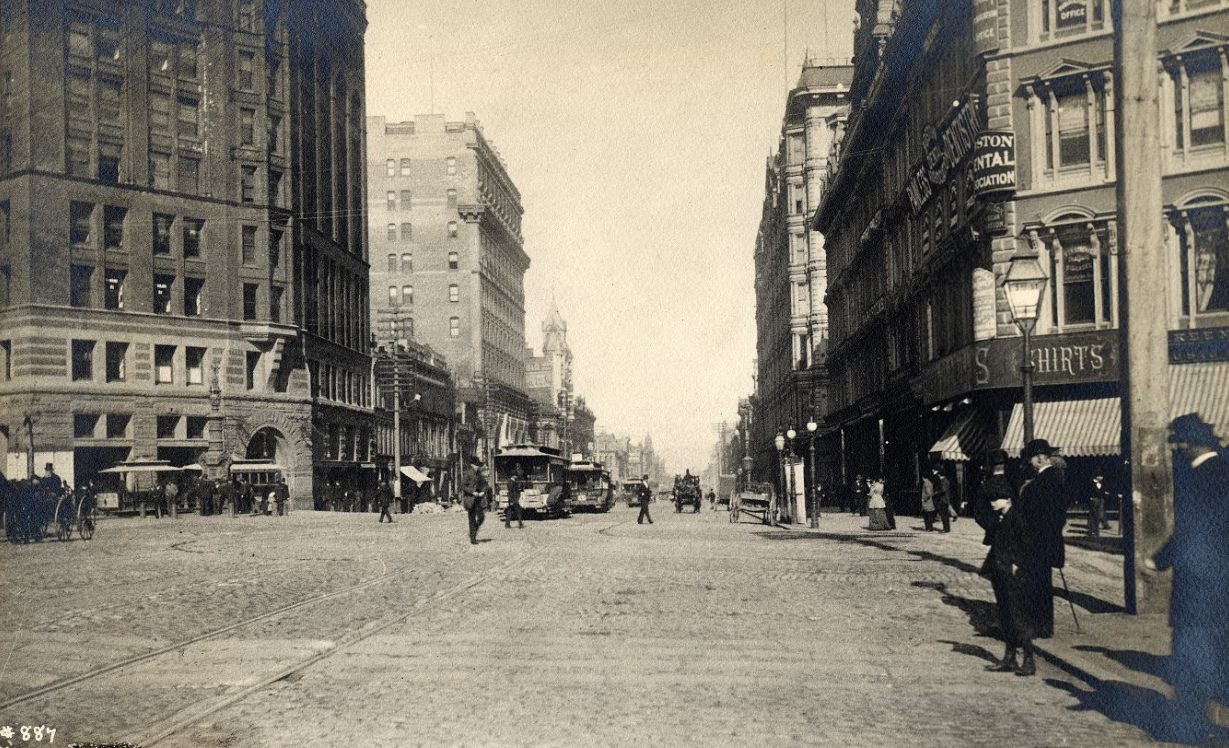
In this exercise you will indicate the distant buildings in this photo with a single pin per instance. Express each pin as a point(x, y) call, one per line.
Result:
point(158, 299)
point(445, 227)
point(428, 413)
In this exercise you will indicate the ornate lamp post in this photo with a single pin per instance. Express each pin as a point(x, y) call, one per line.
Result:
point(812, 428)
point(790, 435)
point(778, 441)
point(1024, 286)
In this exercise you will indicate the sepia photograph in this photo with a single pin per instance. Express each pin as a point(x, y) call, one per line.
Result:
point(735, 373)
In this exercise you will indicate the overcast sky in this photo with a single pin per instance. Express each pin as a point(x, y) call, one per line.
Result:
point(637, 133)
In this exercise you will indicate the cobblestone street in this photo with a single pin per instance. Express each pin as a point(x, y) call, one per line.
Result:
point(327, 629)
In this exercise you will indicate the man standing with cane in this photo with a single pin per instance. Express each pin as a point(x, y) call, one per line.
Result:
point(1042, 512)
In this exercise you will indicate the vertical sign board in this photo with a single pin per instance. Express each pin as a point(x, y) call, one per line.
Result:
point(985, 325)
point(994, 163)
point(985, 26)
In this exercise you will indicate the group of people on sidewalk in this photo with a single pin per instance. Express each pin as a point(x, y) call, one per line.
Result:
point(1024, 531)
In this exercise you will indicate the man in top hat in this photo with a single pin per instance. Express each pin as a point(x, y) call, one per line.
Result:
point(51, 483)
point(1042, 513)
point(994, 513)
point(1198, 553)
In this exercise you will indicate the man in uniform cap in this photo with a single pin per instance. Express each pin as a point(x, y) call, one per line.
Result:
point(1042, 514)
point(1198, 553)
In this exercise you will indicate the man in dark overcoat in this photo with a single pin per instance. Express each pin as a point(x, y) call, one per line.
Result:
point(475, 496)
point(384, 497)
point(993, 511)
point(1042, 513)
point(1198, 553)
point(516, 484)
point(646, 495)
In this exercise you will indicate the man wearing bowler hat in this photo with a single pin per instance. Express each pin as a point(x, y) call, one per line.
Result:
point(1198, 553)
point(1042, 514)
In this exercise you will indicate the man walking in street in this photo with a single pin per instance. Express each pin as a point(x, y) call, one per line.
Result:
point(515, 484)
point(646, 495)
point(1198, 553)
point(942, 497)
point(475, 490)
point(1042, 513)
point(384, 496)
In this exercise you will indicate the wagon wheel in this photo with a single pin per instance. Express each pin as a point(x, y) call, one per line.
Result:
point(63, 519)
point(85, 524)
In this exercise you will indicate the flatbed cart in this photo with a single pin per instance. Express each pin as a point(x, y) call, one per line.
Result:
point(758, 500)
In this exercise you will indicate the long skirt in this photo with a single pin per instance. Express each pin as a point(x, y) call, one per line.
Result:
point(878, 518)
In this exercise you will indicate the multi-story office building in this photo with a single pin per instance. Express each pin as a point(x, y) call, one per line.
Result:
point(157, 300)
point(790, 268)
point(981, 132)
point(445, 226)
point(428, 413)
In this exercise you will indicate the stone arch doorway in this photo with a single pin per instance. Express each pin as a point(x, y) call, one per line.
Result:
point(269, 444)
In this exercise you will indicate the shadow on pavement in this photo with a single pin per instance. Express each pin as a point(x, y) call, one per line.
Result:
point(981, 614)
point(1142, 707)
point(971, 650)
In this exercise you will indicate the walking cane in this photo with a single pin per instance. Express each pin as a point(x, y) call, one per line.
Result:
point(1069, 603)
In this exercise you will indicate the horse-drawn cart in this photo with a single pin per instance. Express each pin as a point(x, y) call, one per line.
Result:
point(758, 500)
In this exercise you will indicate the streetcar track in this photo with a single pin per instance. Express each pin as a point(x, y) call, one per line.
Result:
point(179, 645)
point(343, 643)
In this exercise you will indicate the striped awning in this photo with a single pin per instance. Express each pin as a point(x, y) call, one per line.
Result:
point(1202, 389)
point(1078, 428)
point(1085, 428)
point(964, 439)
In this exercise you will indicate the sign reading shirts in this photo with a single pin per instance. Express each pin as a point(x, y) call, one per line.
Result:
point(944, 152)
point(994, 162)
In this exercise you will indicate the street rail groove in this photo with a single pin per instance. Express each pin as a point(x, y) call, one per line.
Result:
point(343, 643)
point(135, 659)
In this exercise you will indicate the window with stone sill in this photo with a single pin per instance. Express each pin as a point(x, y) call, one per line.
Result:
point(407, 263)
point(1070, 114)
point(392, 264)
point(113, 284)
point(113, 226)
point(1082, 267)
point(162, 233)
point(193, 229)
point(1198, 84)
point(390, 168)
point(164, 364)
point(1178, 7)
point(117, 361)
point(163, 286)
point(1202, 229)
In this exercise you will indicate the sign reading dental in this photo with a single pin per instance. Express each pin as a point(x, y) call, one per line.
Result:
point(945, 150)
point(994, 163)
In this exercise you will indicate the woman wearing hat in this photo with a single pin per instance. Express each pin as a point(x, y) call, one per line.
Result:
point(1042, 513)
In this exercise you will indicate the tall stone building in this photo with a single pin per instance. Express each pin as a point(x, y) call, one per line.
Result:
point(156, 298)
point(445, 226)
point(548, 379)
point(790, 269)
point(983, 132)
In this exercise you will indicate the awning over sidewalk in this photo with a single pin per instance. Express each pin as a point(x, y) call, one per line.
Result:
point(1202, 389)
point(1078, 428)
point(965, 438)
point(414, 474)
point(1091, 428)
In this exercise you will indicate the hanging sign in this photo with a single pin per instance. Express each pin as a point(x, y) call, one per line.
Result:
point(944, 151)
point(994, 162)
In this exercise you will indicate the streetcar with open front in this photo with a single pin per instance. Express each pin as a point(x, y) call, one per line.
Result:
point(544, 479)
point(589, 486)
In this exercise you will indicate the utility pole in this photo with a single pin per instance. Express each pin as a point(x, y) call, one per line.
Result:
point(396, 426)
point(1142, 310)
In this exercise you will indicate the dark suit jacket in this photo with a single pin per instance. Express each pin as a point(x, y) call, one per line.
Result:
point(1043, 512)
point(1198, 549)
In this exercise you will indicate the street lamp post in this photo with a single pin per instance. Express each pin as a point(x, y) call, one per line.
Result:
point(790, 435)
point(778, 441)
point(1024, 286)
point(813, 427)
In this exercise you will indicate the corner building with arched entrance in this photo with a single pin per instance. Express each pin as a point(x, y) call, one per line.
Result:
point(183, 264)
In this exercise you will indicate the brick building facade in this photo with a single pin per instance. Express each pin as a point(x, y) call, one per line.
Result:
point(449, 269)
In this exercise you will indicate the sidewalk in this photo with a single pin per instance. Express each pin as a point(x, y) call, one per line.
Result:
point(1123, 657)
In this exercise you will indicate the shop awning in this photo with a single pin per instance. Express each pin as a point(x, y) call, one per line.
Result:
point(142, 468)
point(1077, 428)
point(256, 467)
point(1085, 428)
point(1202, 389)
point(963, 440)
point(415, 474)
